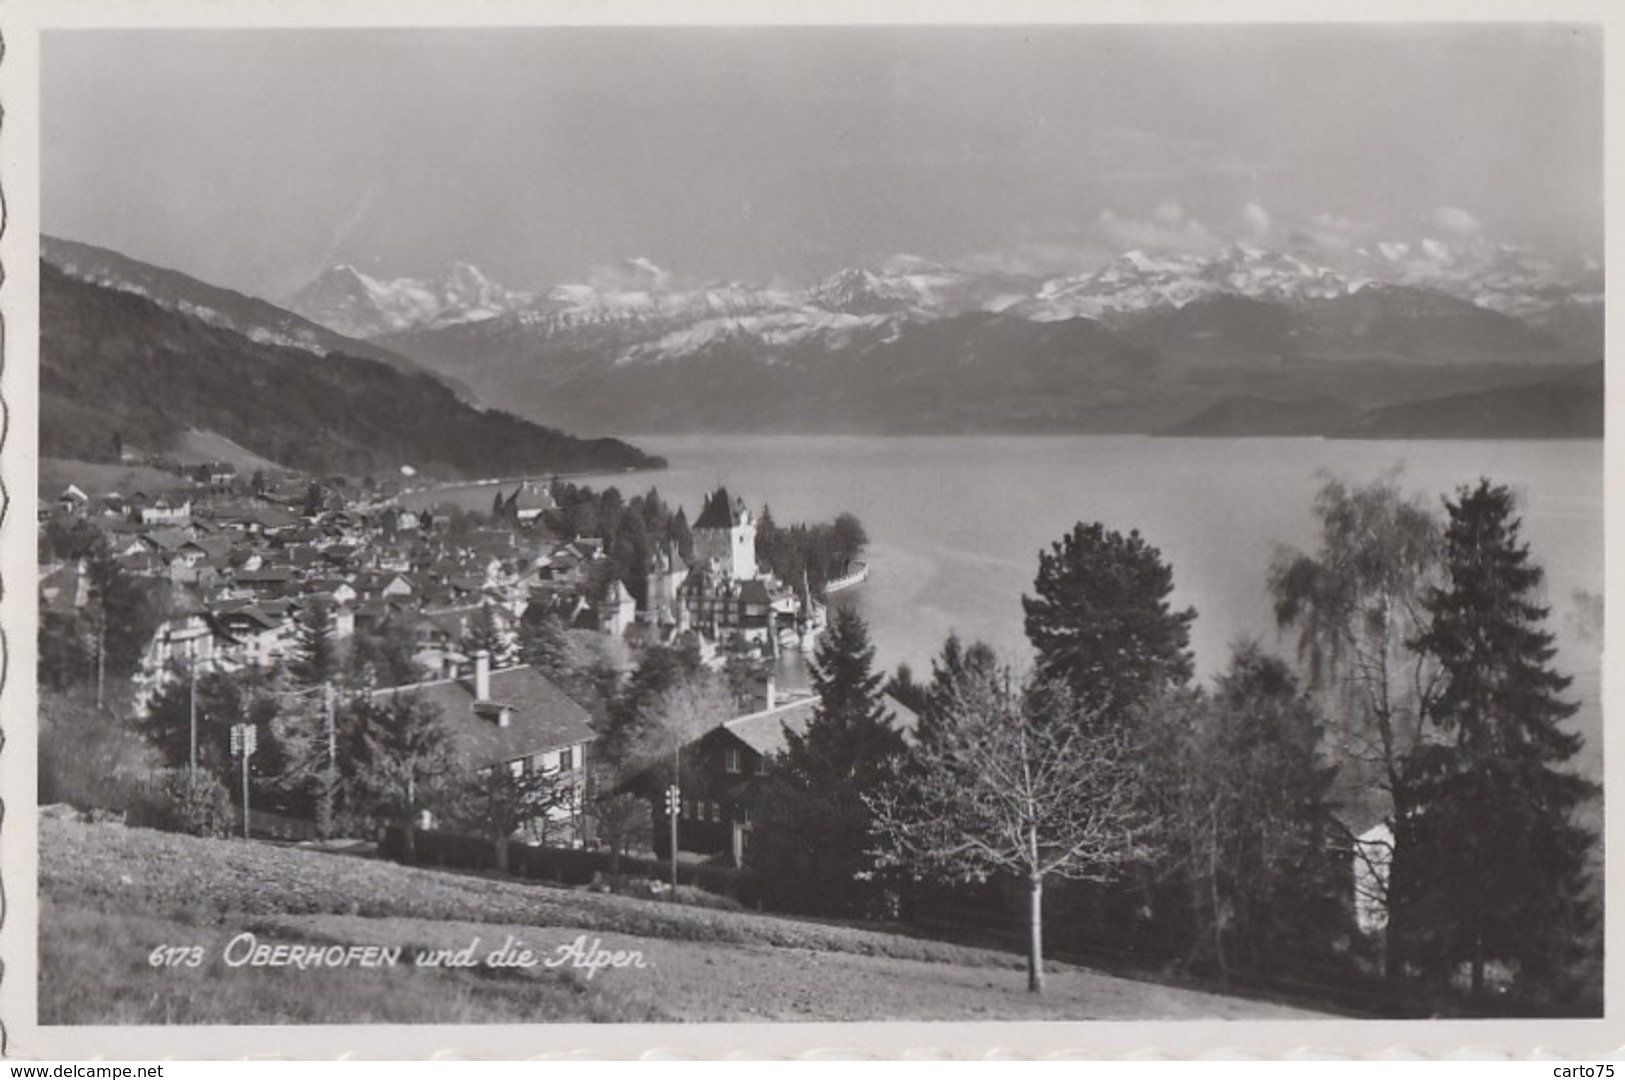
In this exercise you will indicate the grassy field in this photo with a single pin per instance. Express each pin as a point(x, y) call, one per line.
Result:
point(95, 478)
point(196, 447)
point(110, 895)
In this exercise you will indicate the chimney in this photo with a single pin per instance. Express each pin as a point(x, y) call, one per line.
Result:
point(482, 675)
point(772, 693)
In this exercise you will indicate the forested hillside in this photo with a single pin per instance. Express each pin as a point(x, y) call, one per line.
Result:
point(118, 370)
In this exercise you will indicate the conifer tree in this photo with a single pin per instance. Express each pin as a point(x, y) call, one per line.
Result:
point(1100, 619)
point(315, 656)
point(485, 632)
point(814, 837)
point(1503, 860)
point(544, 645)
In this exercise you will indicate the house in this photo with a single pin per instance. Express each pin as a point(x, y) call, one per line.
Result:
point(1373, 856)
point(528, 502)
point(64, 589)
point(165, 510)
point(722, 606)
point(252, 634)
point(514, 719)
point(667, 570)
point(266, 580)
point(722, 775)
point(72, 500)
point(216, 474)
point(616, 609)
point(187, 638)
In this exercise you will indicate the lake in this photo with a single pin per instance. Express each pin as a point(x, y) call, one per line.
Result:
point(956, 523)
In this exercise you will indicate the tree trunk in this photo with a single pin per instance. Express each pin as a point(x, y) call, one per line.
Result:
point(409, 846)
point(1396, 894)
point(1217, 901)
point(1035, 933)
point(500, 845)
point(1478, 963)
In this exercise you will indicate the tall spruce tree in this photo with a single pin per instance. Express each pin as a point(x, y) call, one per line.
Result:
point(315, 657)
point(486, 633)
point(1504, 859)
point(814, 834)
point(1100, 619)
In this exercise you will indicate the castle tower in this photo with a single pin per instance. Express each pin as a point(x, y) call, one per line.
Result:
point(726, 532)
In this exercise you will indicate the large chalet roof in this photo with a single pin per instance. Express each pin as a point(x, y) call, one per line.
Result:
point(541, 717)
point(764, 732)
point(754, 591)
point(529, 496)
point(720, 512)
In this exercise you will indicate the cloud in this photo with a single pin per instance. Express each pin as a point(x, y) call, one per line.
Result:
point(1169, 214)
point(1333, 232)
point(630, 275)
point(1037, 257)
point(1169, 228)
point(1454, 220)
point(1257, 220)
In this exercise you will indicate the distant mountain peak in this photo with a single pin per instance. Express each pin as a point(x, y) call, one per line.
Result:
point(353, 302)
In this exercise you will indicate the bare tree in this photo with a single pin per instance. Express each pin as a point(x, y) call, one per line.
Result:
point(500, 802)
point(675, 717)
point(621, 821)
point(1013, 780)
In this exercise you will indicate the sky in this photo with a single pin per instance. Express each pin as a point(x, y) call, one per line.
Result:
point(255, 158)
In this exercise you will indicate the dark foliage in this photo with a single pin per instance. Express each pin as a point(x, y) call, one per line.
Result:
point(816, 554)
point(111, 361)
point(1502, 860)
point(1249, 823)
point(1101, 622)
point(813, 840)
point(315, 658)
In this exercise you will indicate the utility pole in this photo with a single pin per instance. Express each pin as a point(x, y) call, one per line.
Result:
point(325, 811)
point(332, 734)
point(191, 760)
point(673, 804)
point(101, 655)
point(243, 740)
point(674, 795)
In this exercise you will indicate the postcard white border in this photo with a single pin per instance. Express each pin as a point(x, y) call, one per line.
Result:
point(21, 22)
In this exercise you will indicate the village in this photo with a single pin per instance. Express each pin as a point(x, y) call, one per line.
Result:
point(244, 571)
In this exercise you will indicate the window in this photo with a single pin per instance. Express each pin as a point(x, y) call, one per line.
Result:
point(716, 811)
point(567, 758)
point(688, 808)
point(517, 768)
point(748, 817)
point(730, 759)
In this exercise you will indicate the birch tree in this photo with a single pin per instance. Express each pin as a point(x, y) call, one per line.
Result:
point(1356, 604)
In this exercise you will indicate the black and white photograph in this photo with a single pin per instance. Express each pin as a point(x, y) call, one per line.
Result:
point(747, 524)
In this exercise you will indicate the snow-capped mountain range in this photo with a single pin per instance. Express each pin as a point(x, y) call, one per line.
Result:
point(357, 305)
point(649, 314)
point(1237, 340)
